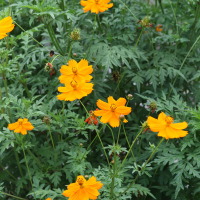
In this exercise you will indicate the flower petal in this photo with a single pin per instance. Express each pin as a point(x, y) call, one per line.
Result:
point(121, 102)
point(100, 112)
point(175, 133)
point(103, 105)
point(23, 131)
point(13, 126)
point(155, 125)
point(111, 100)
point(114, 121)
point(123, 110)
point(106, 117)
point(162, 117)
point(182, 125)
point(163, 133)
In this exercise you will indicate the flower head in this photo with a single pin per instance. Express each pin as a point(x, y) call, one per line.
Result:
point(77, 71)
point(111, 111)
point(48, 199)
point(153, 106)
point(21, 126)
point(165, 127)
point(159, 28)
point(83, 189)
point(96, 6)
point(75, 34)
point(93, 118)
point(74, 90)
point(6, 26)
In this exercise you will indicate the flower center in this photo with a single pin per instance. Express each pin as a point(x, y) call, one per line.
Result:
point(74, 84)
point(169, 120)
point(74, 70)
point(96, 1)
point(113, 107)
point(80, 181)
point(20, 121)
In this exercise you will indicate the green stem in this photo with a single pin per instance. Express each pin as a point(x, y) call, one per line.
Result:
point(140, 145)
point(99, 24)
point(70, 51)
point(11, 195)
point(28, 169)
point(129, 150)
point(56, 57)
point(112, 133)
point(27, 91)
point(182, 65)
point(8, 172)
point(140, 170)
point(129, 10)
point(98, 135)
point(113, 178)
point(129, 146)
point(129, 62)
point(160, 2)
point(119, 133)
point(34, 158)
point(3, 111)
point(92, 36)
point(51, 137)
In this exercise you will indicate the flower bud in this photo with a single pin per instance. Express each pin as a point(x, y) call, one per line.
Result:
point(145, 22)
point(81, 144)
point(145, 126)
point(129, 97)
point(112, 161)
point(46, 120)
point(48, 67)
point(121, 117)
point(153, 106)
point(75, 34)
point(86, 176)
point(74, 54)
point(116, 76)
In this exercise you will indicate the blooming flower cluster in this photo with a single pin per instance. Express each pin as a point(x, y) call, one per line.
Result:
point(75, 76)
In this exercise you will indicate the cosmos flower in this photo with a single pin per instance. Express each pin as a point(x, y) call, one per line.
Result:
point(74, 90)
point(83, 189)
point(77, 71)
point(93, 118)
point(21, 126)
point(6, 26)
point(165, 127)
point(96, 6)
point(159, 28)
point(111, 111)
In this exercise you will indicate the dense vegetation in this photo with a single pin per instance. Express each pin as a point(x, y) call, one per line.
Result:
point(148, 50)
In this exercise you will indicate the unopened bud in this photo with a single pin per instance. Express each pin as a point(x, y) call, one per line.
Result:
point(86, 176)
point(145, 126)
point(130, 97)
point(74, 54)
point(48, 67)
point(121, 117)
point(75, 34)
point(112, 161)
point(153, 106)
point(80, 144)
point(46, 120)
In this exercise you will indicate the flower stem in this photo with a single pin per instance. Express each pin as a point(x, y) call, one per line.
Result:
point(8, 172)
point(119, 133)
point(140, 170)
point(129, 10)
point(3, 111)
point(28, 168)
point(129, 150)
point(70, 51)
point(51, 137)
point(129, 146)
point(11, 195)
point(113, 178)
point(99, 24)
point(98, 136)
point(92, 36)
point(160, 2)
point(112, 134)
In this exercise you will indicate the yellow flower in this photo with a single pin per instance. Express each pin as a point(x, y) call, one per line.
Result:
point(6, 26)
point(48, 199)
point(96, 5)
point(77, 71)
point(111, 111)
point(21, 126)
point(74, 90)
point(82, 189)
point(165, 128)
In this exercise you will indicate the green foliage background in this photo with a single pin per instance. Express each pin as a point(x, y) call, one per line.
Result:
point(127, 59)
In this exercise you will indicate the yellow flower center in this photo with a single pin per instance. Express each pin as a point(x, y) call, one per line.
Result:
point(74, 70)
point(113, 107)
point(96, 1)
point(80, 181)
point(20, 121)
point(74, 84)
point(169, 120)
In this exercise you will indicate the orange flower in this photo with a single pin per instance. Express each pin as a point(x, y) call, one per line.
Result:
point(111, 111)
point(83, 189)
point(92, 117)
point(165, 128)
point(6, 26)
point(158, 28)
point(48, 199)
point(74, 90)
point(21, 126)
point(96, 5)
point(77, 71)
